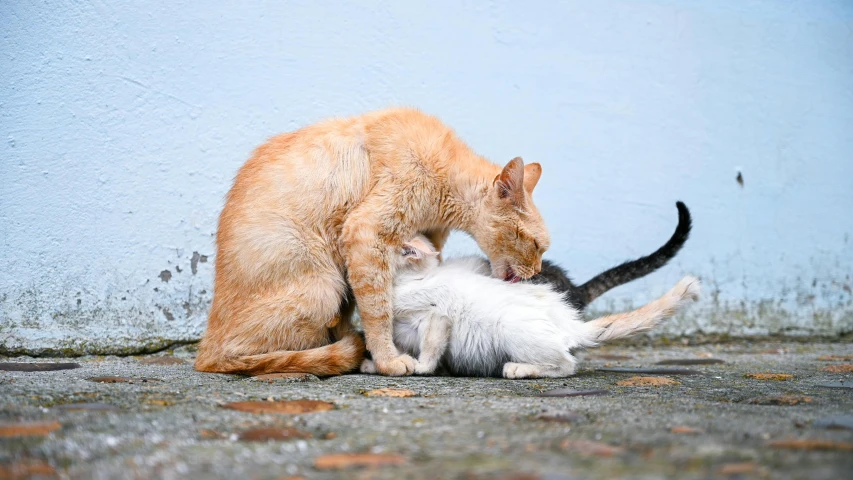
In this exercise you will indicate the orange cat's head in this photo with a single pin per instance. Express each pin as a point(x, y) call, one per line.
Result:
point(510, 230)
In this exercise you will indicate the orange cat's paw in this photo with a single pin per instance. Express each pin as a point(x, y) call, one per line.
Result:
point(396, 366)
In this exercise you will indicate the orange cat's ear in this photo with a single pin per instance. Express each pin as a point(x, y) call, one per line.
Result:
point(417, 248)
point(532, 172)
point(510, 182)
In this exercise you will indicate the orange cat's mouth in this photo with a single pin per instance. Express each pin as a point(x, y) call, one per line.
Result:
point(511, 276)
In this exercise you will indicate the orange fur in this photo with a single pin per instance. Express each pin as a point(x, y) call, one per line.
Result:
point(317, 212)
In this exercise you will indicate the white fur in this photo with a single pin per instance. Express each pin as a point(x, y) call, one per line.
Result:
point(456, 315)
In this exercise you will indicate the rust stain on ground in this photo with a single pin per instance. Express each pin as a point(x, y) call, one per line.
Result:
point(835, 358)
point(779, 377)
point(208, 434)
point(340, 461)
point(292, 407)
point(267, 434)
point(742, 468)
point(162, 360)
point(684, 429)
point(389, 392)
point(811, 444)
point(844, 368)
point(647, 382)
point(590, 448)
point(22, 470)
point(33, 429)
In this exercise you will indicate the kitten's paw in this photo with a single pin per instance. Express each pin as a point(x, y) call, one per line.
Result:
point(521, 370)
point(423, 368)
point(367, 366)
point(396, 366)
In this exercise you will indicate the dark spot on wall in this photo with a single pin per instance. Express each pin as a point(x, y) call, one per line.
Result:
point(124, 298)
point(79, 302)
point(167, 314)
point(739, 179)
point(197, 258)
point(194, 262)
point(178, 269)
point(188, 308)
point(846, 288)
point(156, 289)
point(165, 275)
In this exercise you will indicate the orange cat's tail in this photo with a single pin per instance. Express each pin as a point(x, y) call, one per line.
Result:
point(340, 357)
point(643, 319)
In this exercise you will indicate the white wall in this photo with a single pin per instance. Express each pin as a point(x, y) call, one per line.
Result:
point(124, 122)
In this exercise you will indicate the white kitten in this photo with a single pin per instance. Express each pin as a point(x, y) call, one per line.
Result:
point(456, 315)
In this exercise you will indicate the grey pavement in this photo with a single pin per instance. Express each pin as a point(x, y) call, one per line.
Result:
point(171, 421)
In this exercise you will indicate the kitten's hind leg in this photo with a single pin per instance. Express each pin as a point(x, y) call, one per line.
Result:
point(565, 368)
point(435, 336)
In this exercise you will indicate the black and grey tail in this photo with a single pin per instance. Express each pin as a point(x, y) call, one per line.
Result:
point(640, 267)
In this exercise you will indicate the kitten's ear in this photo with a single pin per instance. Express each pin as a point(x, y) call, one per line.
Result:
point(532, 172)
point(510, 182)
point(417, 249)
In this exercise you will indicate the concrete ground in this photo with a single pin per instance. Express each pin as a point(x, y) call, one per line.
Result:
point(169, 421)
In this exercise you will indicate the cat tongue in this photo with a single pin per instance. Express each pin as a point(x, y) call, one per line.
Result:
point(510, 276)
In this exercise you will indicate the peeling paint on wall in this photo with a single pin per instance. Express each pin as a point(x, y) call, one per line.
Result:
point(123, 128)
point(47, 319)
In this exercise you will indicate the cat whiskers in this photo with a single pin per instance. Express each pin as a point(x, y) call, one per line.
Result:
point(521, 272)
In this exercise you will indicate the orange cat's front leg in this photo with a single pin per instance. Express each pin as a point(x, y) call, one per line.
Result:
point(369, 268)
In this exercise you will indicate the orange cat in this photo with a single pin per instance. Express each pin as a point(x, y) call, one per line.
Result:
point(314, 218)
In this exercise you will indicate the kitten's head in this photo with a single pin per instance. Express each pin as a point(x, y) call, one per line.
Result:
point(510, 230)
point(418, 254)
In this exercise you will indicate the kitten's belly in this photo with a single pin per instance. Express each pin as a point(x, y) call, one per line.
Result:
point(476, 347)
point(406, 336)
point(490, 316)
point(474, 363)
